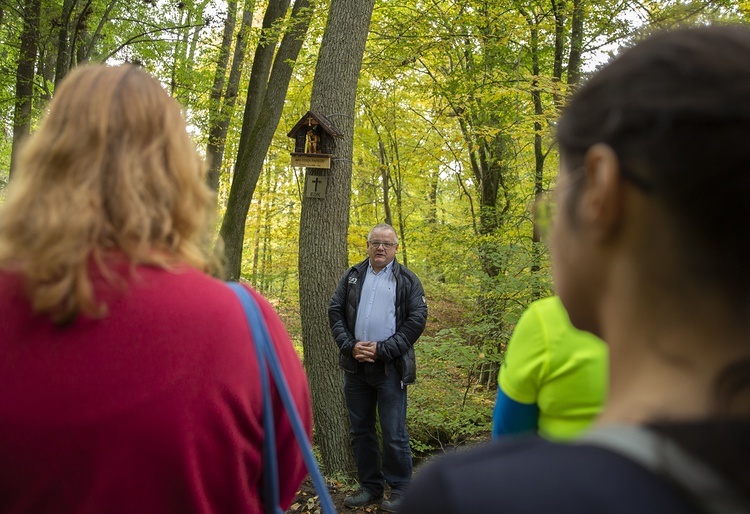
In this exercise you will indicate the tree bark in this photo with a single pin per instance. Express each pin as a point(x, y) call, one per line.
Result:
point(385, 176)
point(25, 77)
point(88, 46)
point(324, 224)
point(223, 101)
point(558, 8)
point(64, 50)
point(539, 155)
point(259, 124)
point(259, 73)
point(576, 43)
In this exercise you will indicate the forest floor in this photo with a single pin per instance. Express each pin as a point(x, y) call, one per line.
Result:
point(307, 498)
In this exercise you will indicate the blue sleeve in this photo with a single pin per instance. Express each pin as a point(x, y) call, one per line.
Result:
point(512, 417)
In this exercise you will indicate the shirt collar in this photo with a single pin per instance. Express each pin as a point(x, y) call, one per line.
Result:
point(387, 268)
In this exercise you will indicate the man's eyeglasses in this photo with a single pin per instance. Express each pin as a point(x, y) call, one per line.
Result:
point(384, 244)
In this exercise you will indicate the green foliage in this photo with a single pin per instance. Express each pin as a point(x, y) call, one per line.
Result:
point(448, 406)
point(271, 251)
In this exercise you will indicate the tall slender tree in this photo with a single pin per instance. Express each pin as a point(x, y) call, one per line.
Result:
point(25, 75)
point(63, 41)
point(269, 81)
point(224, 99)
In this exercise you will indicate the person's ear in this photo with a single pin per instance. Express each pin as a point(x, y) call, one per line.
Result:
point(601, 202)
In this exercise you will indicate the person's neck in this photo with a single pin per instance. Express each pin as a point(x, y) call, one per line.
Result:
point(377, 270)
point(665, 356)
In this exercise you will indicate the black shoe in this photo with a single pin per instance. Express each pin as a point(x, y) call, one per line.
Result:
point(392, 503)
point(360, 499)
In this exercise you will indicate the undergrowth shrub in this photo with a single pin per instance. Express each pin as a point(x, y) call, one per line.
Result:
point(448, 405)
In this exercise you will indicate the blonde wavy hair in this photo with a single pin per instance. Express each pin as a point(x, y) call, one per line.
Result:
point(111, 170)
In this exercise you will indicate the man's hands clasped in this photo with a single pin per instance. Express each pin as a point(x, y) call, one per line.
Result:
point(365, 351)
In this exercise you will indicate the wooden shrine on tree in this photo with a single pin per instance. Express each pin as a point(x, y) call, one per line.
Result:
point(313, 141)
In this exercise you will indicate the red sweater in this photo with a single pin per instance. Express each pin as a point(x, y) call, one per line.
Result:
point(155, 408)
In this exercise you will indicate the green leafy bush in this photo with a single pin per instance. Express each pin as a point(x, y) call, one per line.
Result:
point(448, 405)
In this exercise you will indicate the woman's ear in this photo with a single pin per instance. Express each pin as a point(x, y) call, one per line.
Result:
point(601, 201)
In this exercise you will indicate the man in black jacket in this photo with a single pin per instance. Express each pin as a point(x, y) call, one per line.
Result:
point(377, 313)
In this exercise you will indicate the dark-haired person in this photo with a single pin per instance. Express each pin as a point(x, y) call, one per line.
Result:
point(377, 313)
point(650, 252)
point(128, 376)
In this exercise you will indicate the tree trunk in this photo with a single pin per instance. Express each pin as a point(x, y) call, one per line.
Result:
point(217, 92)
point(25, 77)
point(558, 8)
point(384, 176)
point(258, 127)
point(221, 114)
point(397, 183)
point(197, 28)
point(261, 68)
point(324, 224)
point(539, 155)
point(179, 52)
point(64, 50)
point(89, 44)
point(576, 43)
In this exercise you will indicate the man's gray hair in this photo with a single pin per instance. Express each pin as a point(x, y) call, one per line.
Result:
point(382, 226)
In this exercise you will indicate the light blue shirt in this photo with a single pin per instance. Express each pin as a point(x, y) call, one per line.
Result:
point(376, 315)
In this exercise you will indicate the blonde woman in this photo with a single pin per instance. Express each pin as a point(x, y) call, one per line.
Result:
point(128, 376)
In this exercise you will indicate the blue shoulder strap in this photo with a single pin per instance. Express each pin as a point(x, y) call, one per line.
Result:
point(266, 353)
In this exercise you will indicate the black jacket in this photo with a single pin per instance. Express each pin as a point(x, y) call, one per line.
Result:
point(411, 317)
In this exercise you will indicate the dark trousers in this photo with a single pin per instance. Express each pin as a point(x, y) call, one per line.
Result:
point(378, 385)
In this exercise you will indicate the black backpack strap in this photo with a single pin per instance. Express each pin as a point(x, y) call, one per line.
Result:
point(666, 458)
